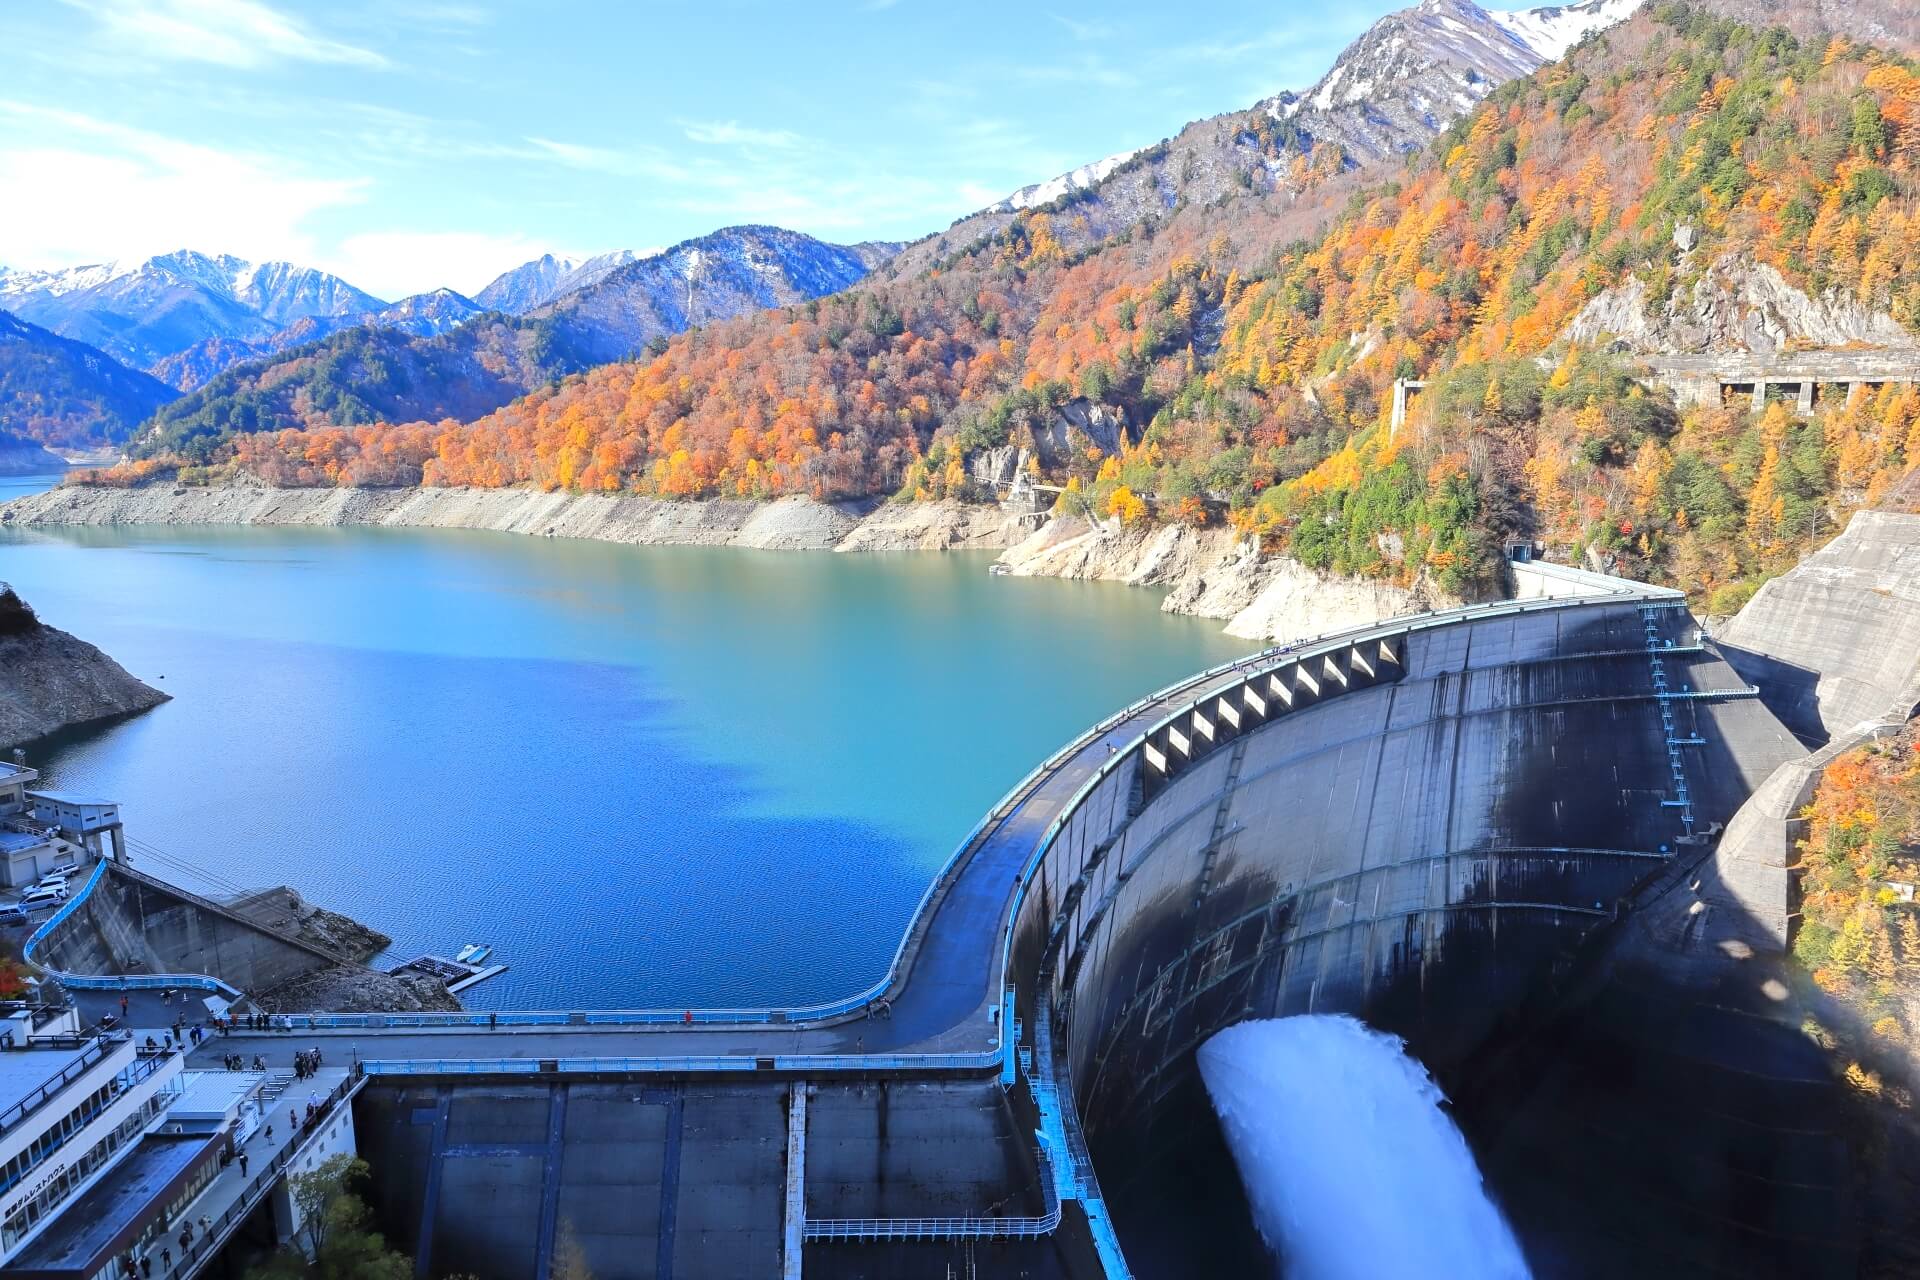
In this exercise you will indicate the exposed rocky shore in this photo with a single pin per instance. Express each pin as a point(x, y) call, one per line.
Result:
point(50, 680)
point(1208, 573)
point(350, 989)
point(344, 988)
point(1213, 573)
point(284, 909)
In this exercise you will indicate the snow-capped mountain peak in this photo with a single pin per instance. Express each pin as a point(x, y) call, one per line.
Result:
point(550, 277)
point(1414, 71)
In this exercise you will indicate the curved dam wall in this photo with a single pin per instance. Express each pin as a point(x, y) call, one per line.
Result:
point(1418, 828)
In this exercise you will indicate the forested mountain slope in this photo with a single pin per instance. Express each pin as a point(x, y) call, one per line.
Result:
point(54, 391)
point(1251, 344)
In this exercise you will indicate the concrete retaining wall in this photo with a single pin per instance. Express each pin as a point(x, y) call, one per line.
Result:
point(1834, 646)
point(132, 923)
point(1836, 642)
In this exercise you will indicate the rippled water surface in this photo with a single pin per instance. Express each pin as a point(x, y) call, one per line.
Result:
point(648, 775)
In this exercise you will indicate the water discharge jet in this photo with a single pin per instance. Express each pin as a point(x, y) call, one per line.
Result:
point(1350, 1164)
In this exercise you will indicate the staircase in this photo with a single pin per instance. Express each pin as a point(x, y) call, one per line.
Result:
point(1220, 813)
point(277, 1083)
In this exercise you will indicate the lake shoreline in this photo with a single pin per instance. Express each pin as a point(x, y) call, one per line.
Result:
point(1208, 573)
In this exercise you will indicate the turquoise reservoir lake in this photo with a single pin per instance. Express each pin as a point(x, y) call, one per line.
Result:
point(649, 776)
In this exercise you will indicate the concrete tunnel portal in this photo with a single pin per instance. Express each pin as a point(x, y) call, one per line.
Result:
point(1434, 824)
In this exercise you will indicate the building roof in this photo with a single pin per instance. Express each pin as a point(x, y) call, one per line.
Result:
point(213, 1095)
point(19, 841)
point(24, 1071)
point(71, 797)
point(113, 1211)
point(9, 771)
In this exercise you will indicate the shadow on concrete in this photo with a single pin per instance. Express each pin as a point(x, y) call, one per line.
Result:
point(1790, 691)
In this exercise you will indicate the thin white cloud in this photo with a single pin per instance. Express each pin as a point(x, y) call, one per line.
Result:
point(244, 34)
point(1086, 71)
point(1097, 29)
point(113, 191)
point(576, 155)
point(731, 133)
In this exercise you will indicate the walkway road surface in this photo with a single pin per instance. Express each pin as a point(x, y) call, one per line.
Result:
point(946, 1004)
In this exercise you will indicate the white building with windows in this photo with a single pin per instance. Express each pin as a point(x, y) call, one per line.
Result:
point(72, 1110)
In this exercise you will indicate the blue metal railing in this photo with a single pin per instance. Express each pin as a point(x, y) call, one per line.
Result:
point(802, 1063)
point(110, 981)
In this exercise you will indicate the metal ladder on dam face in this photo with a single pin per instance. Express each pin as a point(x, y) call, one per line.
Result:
point(1220, 813)
point(1664, 696)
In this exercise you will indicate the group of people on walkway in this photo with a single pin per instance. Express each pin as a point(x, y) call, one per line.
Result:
point(189, 1231)
point(228, 1023)
point(306, 1062)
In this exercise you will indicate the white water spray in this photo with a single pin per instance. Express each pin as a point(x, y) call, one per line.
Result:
point(1351, 1167)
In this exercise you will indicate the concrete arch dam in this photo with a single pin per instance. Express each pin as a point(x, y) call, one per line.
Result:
point(1436, 824)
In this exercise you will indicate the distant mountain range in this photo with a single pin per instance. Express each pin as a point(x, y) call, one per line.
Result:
point(366, 372)
point(186, 316)
point(546, 278)
point(139, 313)
point(1416, 71)
point(422, 315)
point(55, 391)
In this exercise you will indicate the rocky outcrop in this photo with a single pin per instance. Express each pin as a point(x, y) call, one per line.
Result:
point(1213, 573)
point(1738, 306)
point(285, 910)
point(1076, 426)
point(349, 989)
point(936, 526)
point(50, 680)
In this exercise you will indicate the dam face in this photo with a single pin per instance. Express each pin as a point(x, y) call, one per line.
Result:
point(1420, 832)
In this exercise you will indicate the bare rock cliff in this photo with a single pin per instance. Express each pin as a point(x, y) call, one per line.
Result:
point(1737, 306)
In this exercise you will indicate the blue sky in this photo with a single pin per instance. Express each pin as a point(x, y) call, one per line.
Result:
point(411, 143)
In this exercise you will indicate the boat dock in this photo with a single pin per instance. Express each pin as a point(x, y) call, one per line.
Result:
point(457, 974)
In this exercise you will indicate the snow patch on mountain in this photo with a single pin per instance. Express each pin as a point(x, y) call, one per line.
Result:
point(1052, 189)
point(550, 277)
point(1553, 29)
